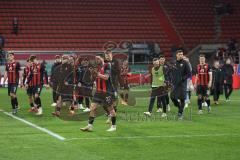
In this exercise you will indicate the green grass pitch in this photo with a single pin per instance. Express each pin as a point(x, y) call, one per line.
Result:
point(214, 136)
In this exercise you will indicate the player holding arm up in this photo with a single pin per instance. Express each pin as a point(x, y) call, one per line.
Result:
point(105, 95)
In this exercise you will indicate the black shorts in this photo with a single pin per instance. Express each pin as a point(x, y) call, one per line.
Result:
point(203, 90)
point(30, 91)
point(37, 89)
point(66, 97)
point(105, 99)
point(12, 88)
point(124, 87)
point(84, 91)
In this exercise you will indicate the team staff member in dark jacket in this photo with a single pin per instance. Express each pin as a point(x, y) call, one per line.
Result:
point(228, 78)
point(86, 84)
point(63, 90)
point(180, 73)
point(217, 81)
point(53, 84)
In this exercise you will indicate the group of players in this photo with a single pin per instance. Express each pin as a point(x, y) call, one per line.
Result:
point(32, 79)
point(74, 80)
point(208, 81)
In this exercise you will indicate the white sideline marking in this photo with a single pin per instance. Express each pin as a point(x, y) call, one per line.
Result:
point(35, 126)
point(154, 137)
point(233, 100)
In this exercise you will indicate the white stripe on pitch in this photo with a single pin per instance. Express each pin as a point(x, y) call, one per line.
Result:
point(37, 127)
point(155, 137)
point(233, 100)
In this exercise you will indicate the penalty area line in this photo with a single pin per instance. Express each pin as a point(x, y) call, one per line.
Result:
point(35, 126)
point(156, 137)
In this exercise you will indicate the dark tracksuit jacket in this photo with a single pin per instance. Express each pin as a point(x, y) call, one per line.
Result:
point(180, 73)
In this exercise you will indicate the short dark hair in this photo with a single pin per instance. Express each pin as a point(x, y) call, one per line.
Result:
point(179, 51)
point(107, 51)
point(155, 59)
point(161, 56)
point(11, 53)
point(65, 56)
point(32, 58)
point(202, 55)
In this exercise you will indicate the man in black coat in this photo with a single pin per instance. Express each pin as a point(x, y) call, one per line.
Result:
point(217, 81)
point(53, 84)
point(85, 91)
point(63, 79)
point(228, 72)
point(180, 73)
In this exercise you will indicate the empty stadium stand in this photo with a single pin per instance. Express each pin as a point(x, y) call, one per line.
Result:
point(230, 23)
point(79, 24)
point(193, 19)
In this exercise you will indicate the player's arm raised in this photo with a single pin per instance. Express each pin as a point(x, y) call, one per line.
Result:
point(107, 73)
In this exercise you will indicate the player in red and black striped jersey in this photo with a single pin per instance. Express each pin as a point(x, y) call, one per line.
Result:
point(105, 94)
point(29, 88)
point(13, 75)
point(203, 83)
point(37, 76)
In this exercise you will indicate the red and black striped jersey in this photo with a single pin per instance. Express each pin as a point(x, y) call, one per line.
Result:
point(38, 74)
point(12, 69)
point(105, 86)
point(203, 74)
point(124, 70)
point(26, 73)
